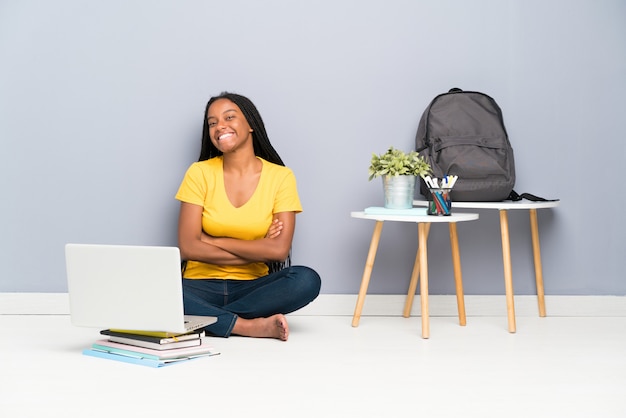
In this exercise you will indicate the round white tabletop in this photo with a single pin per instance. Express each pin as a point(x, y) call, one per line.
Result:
point(506, 205)
point(454, 217)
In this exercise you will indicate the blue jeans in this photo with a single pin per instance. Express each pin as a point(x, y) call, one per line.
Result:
point(283, 292)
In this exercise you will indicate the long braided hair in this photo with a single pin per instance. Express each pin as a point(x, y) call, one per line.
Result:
point(261, 143)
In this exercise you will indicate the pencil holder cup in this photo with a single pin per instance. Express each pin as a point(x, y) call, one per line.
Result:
point(439, 202)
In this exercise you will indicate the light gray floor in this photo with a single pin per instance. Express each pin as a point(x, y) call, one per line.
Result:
point(552, 367)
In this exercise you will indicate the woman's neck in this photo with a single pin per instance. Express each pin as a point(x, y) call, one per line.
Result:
point(241, 163)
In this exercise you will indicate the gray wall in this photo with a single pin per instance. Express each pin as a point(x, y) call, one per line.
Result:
point(101, 106)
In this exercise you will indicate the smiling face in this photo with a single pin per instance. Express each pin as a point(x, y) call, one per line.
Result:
point(228, 128)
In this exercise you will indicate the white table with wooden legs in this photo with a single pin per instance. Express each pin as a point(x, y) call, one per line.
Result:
point(420, 267)
point(503, 207)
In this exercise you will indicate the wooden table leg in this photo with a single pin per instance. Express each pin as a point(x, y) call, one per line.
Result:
point(408, 304)
point(367, 273)
point(423, 259)
point(508, 270)
point(534, 230)
point(458, 278)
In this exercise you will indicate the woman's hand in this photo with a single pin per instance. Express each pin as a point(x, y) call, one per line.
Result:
point(274, 229)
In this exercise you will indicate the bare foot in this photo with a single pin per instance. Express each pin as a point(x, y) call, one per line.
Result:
point(273, 327)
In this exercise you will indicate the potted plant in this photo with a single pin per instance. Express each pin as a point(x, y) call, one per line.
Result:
point(399, 171)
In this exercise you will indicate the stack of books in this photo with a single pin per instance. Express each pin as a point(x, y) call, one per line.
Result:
point(150, 348)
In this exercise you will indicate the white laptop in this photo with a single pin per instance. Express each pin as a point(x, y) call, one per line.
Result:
point(128, 287)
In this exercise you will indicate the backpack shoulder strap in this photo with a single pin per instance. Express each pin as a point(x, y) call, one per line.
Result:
point(516, 197)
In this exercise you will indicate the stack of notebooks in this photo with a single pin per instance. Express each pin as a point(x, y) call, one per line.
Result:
point(148, 348)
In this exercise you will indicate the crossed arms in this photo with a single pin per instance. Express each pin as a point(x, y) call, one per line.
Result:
point(196, 245)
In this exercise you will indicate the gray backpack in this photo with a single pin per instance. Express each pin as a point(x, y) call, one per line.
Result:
point(462, 133)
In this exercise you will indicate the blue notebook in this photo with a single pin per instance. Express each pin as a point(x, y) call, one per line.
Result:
point(375, 210)
point(134, 360)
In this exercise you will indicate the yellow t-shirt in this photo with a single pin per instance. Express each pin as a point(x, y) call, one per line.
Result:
point(203, 185)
